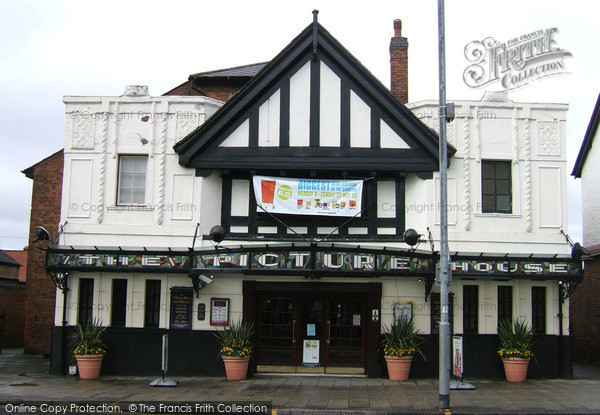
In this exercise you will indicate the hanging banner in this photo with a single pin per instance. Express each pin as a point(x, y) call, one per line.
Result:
point(308, 196)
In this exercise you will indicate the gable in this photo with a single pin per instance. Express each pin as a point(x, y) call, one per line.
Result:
point(588, 141)
point(315, 107)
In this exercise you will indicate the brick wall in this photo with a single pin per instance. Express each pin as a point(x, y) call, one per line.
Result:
point(45, 211)
point(221, 91)
point(12, 304)
point(10, 271)
point(399, 64)
point(585, 315)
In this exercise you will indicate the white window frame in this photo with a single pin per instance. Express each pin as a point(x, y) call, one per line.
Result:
point(134, 187)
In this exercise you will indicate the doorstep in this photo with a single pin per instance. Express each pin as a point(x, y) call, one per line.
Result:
point(310, 371)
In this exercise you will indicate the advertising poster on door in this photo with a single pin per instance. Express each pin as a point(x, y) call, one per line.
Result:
point(457, 352)
point(308, 196)
point(310, 353)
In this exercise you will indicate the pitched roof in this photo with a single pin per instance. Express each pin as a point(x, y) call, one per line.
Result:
point(313, 44)
point(7, 260)
point(21, 257)
point(28, 172)
point(588, 140)
point(245, 71)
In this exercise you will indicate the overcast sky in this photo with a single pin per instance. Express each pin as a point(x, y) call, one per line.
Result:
point(57, 48)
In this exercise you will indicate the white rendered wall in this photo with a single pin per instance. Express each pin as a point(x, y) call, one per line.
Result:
point(591, 196)
point(330, 108)
point(98, 131)
point(300, 107)
point(532, 137)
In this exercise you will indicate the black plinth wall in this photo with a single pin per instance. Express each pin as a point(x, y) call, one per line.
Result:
point(137, 352)
point(481, 360)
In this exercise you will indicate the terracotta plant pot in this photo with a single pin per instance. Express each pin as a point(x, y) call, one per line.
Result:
point(236, 367)
point(398, 367)
point(89, 366)
point(515, 369)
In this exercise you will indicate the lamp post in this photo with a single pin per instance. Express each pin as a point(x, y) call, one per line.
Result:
point(444, 275)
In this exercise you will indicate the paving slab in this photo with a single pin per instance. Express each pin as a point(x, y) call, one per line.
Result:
point(25, 378)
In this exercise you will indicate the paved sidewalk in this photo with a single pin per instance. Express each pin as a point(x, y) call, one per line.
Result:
point(25, 379)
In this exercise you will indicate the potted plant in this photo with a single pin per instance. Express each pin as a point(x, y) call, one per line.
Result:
point(236, 349)
point(400, 343)
point(89, 348)
point(516, 339)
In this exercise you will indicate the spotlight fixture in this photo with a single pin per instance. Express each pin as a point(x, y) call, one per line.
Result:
point(217, 233)
point(41, 234)
point(411, 237)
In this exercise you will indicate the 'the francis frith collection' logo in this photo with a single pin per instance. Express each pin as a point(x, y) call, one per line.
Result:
point(516, 62)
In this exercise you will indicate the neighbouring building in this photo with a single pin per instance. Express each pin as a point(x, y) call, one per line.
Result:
point(585, 306)
point(221, 84)
point(21, 257)
point(47, 176)
point(12, 299)
point(314, 170)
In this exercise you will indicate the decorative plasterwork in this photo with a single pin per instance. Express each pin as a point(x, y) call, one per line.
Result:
point(115, 130)
point(548, 139)
point(152, 131)
point(450, 129)
point(161, 164)
point(477, 136)
point(527, 145)
point(83, 131)
point(102, 167)
point(186, 123)
point(467, 171)
point(515, 136)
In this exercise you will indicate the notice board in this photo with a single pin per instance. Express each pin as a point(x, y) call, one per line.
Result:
point(181, 308)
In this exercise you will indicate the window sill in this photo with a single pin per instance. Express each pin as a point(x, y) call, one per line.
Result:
point(497, 215)
point(130, 208)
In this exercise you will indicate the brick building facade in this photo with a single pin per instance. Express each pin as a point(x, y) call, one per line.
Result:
point(47, 176)
point(12, 302)
point(221, 84)
point(585, 302)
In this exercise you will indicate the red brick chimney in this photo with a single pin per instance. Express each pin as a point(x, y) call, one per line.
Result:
point(399, 63)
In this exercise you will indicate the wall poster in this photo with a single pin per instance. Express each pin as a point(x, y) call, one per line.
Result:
point(219, 311)
point(401, 309)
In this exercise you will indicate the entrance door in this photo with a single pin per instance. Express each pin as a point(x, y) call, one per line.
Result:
point(311, 344)
point(330, 333)
point(346, 337)
point(334, 318)
point(276, 331)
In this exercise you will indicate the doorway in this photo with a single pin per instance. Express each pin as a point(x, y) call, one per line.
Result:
point(312, 330)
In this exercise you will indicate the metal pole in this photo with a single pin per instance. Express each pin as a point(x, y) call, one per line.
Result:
point(444, 335)
point(560, 328)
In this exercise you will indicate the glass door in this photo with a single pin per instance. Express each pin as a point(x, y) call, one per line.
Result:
point(305, 332)
point(311, 333)
point(276, 331)
point(346, 334)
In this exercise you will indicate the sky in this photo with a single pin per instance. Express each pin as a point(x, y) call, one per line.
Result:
point(52, 49)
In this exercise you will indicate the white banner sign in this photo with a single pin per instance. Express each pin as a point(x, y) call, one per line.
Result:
point(308, 196)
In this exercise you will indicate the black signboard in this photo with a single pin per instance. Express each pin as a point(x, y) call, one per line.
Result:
point(436, 312)
point(181, 308)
